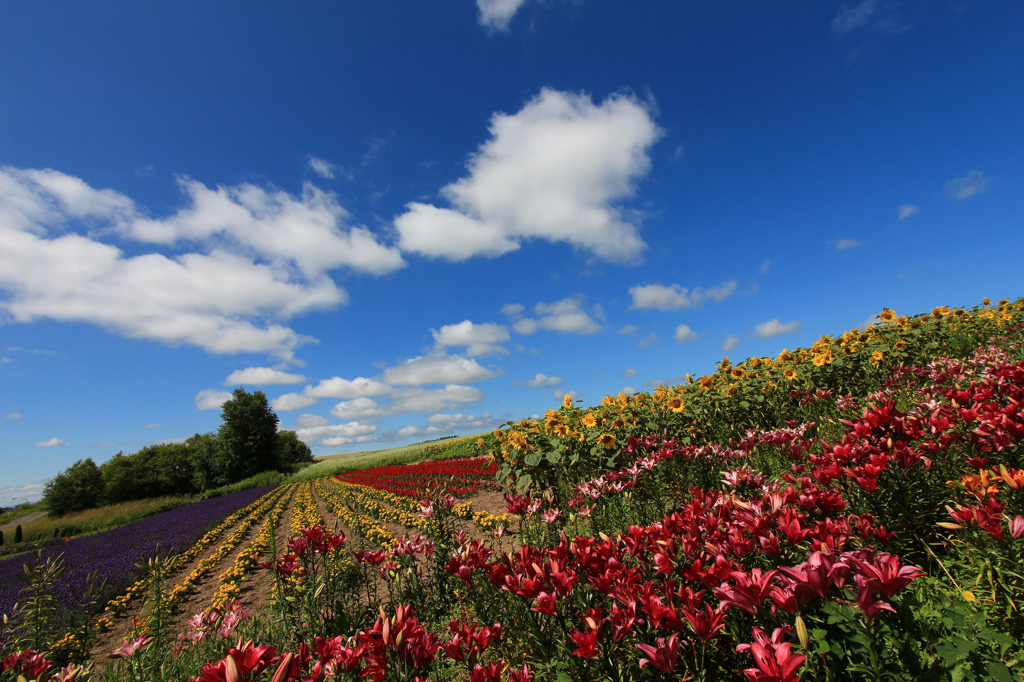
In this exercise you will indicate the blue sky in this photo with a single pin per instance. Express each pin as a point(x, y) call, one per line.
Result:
point(404, 220)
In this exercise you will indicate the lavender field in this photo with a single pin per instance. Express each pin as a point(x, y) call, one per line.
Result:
point(112, 555)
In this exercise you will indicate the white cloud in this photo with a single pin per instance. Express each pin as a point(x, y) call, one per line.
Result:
point(360, 387)
point(452, 418)
point(480, 340)
point(15, 415)
point(649, 340)
point(540, 381)
point(211, 399)
point(154, 425)
point(263, 376)
point(771, 328)
point(560, 395)
point(362, 408)
point(628, 329)
point(628, 373)
point(684, 334)
point(408, 401)
point(851, 18)
point(628, 390)
point(675, 297)
point(551, 171)
point(973, 183)
point(53, 442)
point(765, 266)
point(437, 369)
point(907, 210)
point(845, 244)
point(525, 326)
point(322, 167)
point(310, 420)
point(730, 342)
point(566, 316)
point(870, 322)
point(292, 401)
point(512, 310)
point(310, 434)
point(260, 256)
point(308, 231)
point(495, 14)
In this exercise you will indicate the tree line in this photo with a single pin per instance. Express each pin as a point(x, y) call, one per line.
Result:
point(246, 444)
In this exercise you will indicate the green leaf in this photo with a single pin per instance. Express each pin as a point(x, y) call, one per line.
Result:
point(533, 459)
point(999, 671)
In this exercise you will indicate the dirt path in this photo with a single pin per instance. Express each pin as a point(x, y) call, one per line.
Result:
point(27, 518)
point(197, 600)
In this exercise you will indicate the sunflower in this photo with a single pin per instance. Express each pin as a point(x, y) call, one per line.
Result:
point(755, 363)
point(707, 381)
point(899, 345)
point(790, 373)
point(676, 405)
point(886, 315)
point(784, 356)
point(589, 420)
point(738, 373)
point(607, 441)
point(567, 401)
point(623, 399)
point(818, 360)
point(876, 357)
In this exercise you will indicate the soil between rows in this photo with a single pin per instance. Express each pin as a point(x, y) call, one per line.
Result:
point(256, 586)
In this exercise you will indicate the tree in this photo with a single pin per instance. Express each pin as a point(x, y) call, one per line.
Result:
point(206, 460)
point(248, 436)
point(291, 450)
point(78, 487)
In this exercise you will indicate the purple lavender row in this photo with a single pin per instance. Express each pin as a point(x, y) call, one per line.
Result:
point(113, 554)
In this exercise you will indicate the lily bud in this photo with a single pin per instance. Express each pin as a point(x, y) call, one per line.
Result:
point(801, 633)
point(282, 670)
point(1007, 479)
point(231, 673)
point(947, 525)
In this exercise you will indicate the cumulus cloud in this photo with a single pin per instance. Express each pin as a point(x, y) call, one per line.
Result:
point(845, 244)
point(628, 329)
point(263, 376)
point(480, 340)
point(628, 390)
point(675, 297)
point(408, 401)
point(730, 342)
point(540, 381)
point(560, 395)
point(771, 328)
point(966, 187)
point(649, 340)
point(322, 167)
point(437, 369)
point(628, 373)
point(360, 387)
point(852, 18)
point(496, 14)
point(684, 334)
point(552, 171)
point(566, 316)
point(244, 260)
point(907, 210)
point(53, 442)
point(290, 402)
point(310, 434)
point(311, 420)
point(211, 399)
point(15, 415)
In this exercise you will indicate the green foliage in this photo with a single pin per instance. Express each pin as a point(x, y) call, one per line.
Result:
point(291, 450)
point(247, 438)
point(17, 534)
point(78, 487)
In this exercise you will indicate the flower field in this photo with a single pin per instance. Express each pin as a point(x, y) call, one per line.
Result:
point(849, 511)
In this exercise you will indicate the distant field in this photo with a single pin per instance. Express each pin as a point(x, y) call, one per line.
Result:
point(333, 464)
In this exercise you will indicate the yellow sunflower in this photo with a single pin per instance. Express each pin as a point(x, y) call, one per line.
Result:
point(589, 420)
point(790, 373)
point(607, 441)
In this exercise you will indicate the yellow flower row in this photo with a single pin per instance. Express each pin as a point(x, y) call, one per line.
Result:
point(305, 513)
point(118, 604)
point(249, 558)
point(230, 542)
point(371, 529)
